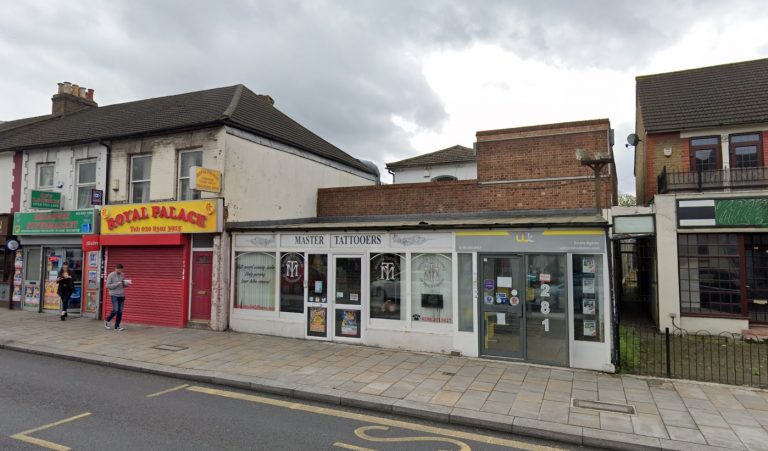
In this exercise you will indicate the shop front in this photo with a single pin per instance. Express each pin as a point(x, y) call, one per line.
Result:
point(48, 240)
point(538, 295)
point(166, 251)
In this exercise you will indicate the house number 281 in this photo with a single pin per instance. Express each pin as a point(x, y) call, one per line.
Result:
point(545, 305)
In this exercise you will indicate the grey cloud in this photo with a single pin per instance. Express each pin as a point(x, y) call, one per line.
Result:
point(342, 68)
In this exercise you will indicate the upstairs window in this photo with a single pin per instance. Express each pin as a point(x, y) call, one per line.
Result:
point(140, 174)
point(86, 181)
point(705, 154)
point(746, 150)
point(187, 159)
point(45, 175)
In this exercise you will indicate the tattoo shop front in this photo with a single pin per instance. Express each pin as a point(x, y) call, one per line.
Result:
point(533, 294)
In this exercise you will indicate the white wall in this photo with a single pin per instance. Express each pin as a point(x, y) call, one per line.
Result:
point(268, 183)
point(6, 181)
point(462, 171)
point(667, 261)
point(65, 159)
point(164, 169)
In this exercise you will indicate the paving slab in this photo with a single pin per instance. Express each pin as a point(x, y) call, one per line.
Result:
point(491, 394)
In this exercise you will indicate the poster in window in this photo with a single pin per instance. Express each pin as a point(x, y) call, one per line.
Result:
point(590, 328)
point(588, 264)
point(317, 321)
point(588, 286)
point(348, 323)
point(588, 306)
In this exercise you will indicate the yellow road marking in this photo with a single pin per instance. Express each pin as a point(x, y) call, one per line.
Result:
point(372, 419)
point(168, 391)
point(362, 433)
point(484, 233)
point(352, 447)
point(23, 436)
point(574, 232)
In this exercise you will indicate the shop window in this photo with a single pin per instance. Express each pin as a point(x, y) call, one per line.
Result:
point(466, 293)
point(45, 175)
point(588, 298)
point(255, 283)
point(710, 279)
point(387, 286)
point(292, 282)
point(86, 181)
point(187, 159)
point(705, 154)
point(141, 169)
point(318, 277)
point(746, 150)
point(432, 288)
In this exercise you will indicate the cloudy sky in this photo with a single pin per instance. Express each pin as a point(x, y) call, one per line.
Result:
point(383, 80)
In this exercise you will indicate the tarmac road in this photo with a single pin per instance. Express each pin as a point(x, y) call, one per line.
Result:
point(48, 403)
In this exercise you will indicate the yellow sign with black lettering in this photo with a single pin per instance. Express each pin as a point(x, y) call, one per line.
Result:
point(203, 179)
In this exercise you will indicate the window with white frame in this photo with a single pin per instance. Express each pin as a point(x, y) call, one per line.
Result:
point(187, 159)
point(45, 175)
point(140, 174)
point(86, 181)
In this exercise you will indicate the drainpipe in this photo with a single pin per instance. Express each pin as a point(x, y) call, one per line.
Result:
point(393, 175)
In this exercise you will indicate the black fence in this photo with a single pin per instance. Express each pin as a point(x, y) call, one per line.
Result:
point(714, 179)
point(724, 358)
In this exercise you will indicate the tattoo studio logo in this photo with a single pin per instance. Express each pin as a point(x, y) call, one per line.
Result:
point(432, 270)
point(293, 269)
point(388, 267)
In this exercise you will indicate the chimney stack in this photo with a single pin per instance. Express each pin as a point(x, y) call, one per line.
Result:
point(72, 97)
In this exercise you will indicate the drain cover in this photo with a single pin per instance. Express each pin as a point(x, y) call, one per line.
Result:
point(171, 348)
point(604, 406)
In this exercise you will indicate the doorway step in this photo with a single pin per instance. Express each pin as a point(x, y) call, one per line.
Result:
point(202, 325)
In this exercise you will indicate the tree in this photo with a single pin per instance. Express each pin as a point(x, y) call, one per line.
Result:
point(627, 200)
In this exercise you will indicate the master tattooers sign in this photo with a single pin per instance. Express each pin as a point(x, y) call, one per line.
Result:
point(195, 216)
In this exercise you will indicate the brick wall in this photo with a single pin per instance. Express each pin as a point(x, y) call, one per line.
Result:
point(463, 196)
point(539, 152)
point(507, 161)
point(656, 160)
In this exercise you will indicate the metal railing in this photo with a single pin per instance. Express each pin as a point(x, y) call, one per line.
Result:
point(724, 358)
point(711, 180)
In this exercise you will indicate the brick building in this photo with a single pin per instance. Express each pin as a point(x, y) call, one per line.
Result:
point(512, 263)
point(700, 160)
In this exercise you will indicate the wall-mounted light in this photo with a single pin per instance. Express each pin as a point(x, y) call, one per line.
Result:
point(115, 185)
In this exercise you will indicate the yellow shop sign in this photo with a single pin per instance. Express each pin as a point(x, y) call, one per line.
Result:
point(204, 179)
point(194, 216)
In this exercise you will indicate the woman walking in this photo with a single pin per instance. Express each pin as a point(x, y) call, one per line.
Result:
point(66, 288)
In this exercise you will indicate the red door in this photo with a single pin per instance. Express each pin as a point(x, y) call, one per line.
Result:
point(202, 267)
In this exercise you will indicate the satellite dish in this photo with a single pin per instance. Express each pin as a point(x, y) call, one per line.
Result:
point(632, 139)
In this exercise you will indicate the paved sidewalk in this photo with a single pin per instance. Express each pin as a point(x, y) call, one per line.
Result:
point(513, 397)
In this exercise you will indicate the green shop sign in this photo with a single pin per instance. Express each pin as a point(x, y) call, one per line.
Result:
point(68, 222)
point(742, 212)
point(47, 200)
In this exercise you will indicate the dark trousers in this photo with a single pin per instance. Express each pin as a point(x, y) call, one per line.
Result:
point(117, 309)
point(65, 300)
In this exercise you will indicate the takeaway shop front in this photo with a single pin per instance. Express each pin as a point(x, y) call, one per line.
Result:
point(166, 249)
point(539, 295)
point(48, 240)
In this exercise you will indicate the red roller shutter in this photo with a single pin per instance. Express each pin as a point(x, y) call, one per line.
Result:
point(158, 293)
